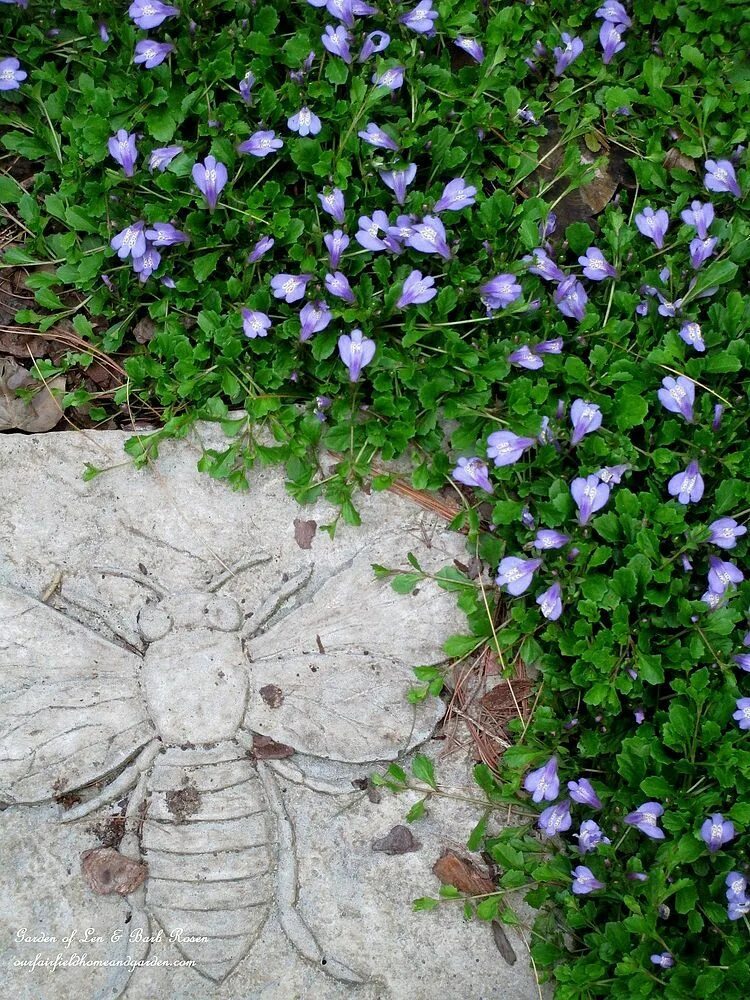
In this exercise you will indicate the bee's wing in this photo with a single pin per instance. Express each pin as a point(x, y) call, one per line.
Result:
point(330, 679)
point(70, 708)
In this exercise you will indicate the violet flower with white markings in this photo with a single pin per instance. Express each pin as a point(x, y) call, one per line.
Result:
point(356, 351)
point(210, 178)
point(544, 783)
point(610, 39)
point(590, 495)
point(471, 46)
point(500, 292)
point(701, 250)
point(428, 236)
point(550, 602)
point(614, 12)
point(373, 135)
point(314, 317)
point(725, 531)
point(130, 241)
point(336, 242)
point(645, 818)
point(416, 290)
point(421, 19)
point(524, 357)
point(164, 234)
point(161, 158)
point(290, 287)
point(595, 266)
point(391, 78)
point(716, 832)
point(333, 202)
point(151, 54)
point(261, 144)
point(255, 324)
point(555, 819)
point(260, 249)
point(399, 180)
point(742, 715)
point(246, 85)
point(122, 149)
point(582, 791)
point(590, 836)
point(150, 13)
point(457, 194)
point(691, 334)
point(687, 486)
point(336, 41)
point(586, 418)
point(548, 538)
point(304, 122)
point(506, 448)
point(472, 472)
point(664, 960)
point(145, 265)
point(720, 177)
point(678, 396)
point(700, 215)
point(516, 574)
point(653, 225)
point(612, 473)
point(565, 56)
point(337, 284)
point(584, 881)
point(570, 298)
point(722, 574)
point(542, 265)
point(367, 235)
point(376, 41)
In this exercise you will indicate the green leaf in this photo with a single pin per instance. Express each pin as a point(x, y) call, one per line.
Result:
point(424, 770)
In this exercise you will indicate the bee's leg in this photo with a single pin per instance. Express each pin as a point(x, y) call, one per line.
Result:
point(275, 599)
point(134, 943)
point(117, 627)
point(292, 923)
point(124, 781)
point(289, 771)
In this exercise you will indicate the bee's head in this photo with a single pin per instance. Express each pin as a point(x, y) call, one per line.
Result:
point(188, 611)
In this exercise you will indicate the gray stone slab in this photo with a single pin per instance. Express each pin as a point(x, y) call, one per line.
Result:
point(150, 624)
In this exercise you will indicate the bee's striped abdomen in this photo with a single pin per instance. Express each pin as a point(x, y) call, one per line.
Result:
point(206, 838)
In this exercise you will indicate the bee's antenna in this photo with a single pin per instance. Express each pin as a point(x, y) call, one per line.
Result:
point(256, 559)
point(157, 588)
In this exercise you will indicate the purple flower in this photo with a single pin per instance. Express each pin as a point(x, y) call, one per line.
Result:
point(595, 267)
point(260, 249)
point(645, 819)
point(367, 235)
point(582, 791)
point(544, 782)
point(584, 881)
point(246, 87)
point(615, 13)
point(725, 531)
point(322, 403)
point(664, 960)
point(543, 266)
point(570, 298)
point(701, 250)
point(553, 346)
point(565, 56)
point(416, 290)
point(373, 135)
point(457, 194)
point(687, 486)
point(716, 832)
point(738, 908)
point(700, 215)
point(472, 472)
point(722, 574)
point(653, 225)
point(122, 150)
point(547, 538)
point(716, 422)
point(391, 78)
point(103, 31)
point(612, 473)
point(516, 574)
point(399, 180)
point(524, 357)
point(333, 202)
point(260, 144)
point(149, 53)
point(130, 241)
point(742, 715)
point(470, 45)
point(162, 157)
point(402, 230)
point(720, 177)
point(164, 234)
point(691, 333)
point(610, 39)
point(150, 13)
point(736, 884)
point(636, 877)
point(304, 122)
point(210, 177)
point(526, 116)
point(290, 287)
point(255, 324)
point(678, 396)
point(590, 496)
point(336, 242)
point(586, 418)
point(555, 819)
point(550, 602)
point(338, 285)
point(336, 40)
point(147, 263)
point(314, 317)
point(743, 661)
point(376, 41)
point(428, 236)
point(500, 291)
point(506, 448)
point(590, 836)
point(421, 18)
point(356, 351)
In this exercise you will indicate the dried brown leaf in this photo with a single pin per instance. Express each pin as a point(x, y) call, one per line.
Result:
point(41, 413)
point(503, 944)
point(264, 748)
point(304, 532)
point(107, 871)
point(675, 160)
point(462, 873)
point(400, 840)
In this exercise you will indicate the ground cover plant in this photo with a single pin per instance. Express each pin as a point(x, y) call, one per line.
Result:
point(510, 240)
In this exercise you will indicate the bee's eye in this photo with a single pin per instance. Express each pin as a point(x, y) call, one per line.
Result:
point(153, 622)
point(224, 614)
